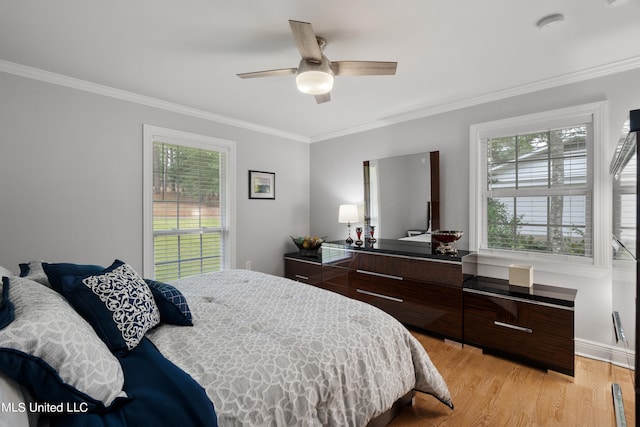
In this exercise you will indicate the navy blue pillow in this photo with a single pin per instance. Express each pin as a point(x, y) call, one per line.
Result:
point(6, 307)
point(172, 304)
point(116, 302)
point(55, 272)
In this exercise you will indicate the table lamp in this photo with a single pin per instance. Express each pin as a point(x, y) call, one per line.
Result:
point(348, 214)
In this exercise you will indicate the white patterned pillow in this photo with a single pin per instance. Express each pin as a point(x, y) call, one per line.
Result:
point(5, 272)
point(54, 353)
point(32, 270)
point(117, 303)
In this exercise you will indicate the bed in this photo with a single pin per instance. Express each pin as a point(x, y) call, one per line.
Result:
point(260, 350)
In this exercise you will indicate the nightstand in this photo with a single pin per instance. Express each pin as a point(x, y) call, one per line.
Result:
point(534, 325)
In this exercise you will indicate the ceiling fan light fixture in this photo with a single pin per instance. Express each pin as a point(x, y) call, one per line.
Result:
point(315, 74)
point(315, 79)
point(314, 82)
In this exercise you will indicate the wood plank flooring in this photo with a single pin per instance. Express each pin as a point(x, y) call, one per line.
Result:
point(493, 391)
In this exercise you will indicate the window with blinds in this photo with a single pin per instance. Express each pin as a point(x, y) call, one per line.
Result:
point(189, 207)
point(538, 193)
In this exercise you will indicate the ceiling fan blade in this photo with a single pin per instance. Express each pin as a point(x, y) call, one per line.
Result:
point(268, 73)
point(364, 68)
point(306, 41)
point(325, 97)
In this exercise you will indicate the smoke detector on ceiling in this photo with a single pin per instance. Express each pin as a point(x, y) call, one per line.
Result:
point(616, 2)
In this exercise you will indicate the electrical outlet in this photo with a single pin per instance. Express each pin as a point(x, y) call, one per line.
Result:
point(247, 265)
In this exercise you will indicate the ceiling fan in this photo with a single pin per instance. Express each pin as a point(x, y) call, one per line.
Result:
point(315, 73)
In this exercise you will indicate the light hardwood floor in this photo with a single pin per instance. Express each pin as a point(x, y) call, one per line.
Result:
point(492, 391)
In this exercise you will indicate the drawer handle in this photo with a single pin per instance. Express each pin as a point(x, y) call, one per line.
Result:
point(373, 273)
point(298, 276)
point(517, 328)
point(373, 294)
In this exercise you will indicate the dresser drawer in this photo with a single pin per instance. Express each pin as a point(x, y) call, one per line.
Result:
point(435, 308)
point(441, 272)
point(551, 320)
point(445, 273)
point(421, 292)
point(405, 289)
point(535, 331)
point(303, 271)
point(381, 264)
point(531, 344)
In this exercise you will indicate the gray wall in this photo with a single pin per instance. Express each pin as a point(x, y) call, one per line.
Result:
point(70, 167)
point(336, 177)
point(71, 174)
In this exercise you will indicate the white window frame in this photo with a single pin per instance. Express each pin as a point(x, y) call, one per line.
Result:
point(153, 134)
point(601, 231)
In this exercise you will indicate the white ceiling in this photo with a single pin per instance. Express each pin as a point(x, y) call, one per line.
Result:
point(450, 53)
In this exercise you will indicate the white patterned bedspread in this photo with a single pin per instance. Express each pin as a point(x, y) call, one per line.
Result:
point(271, 351)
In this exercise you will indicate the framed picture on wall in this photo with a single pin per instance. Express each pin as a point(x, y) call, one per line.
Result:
point(262, 185)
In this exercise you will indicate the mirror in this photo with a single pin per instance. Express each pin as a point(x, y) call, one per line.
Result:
point(402, 196)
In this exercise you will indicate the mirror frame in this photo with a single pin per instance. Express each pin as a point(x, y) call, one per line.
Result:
point(434, 166)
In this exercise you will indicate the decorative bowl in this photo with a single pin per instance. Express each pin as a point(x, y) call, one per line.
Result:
point(308, 246)
point(446, 236)
point(446, 239)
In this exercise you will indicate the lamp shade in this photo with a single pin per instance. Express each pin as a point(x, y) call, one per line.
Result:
point(348, 214)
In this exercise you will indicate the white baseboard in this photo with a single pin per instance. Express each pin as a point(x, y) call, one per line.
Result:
point(606, 353)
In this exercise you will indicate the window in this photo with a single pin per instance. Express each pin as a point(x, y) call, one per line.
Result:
point(188, 204)
point(533, 184)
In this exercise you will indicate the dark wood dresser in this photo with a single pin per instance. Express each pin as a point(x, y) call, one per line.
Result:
point(535, 325)
point(441, 295)
point(404, 279)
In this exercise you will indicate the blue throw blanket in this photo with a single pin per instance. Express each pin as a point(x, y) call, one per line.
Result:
point(160, 394)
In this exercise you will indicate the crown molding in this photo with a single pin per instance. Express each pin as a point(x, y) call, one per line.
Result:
point(417, 113)
point(62, 80)
point(404, 116)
